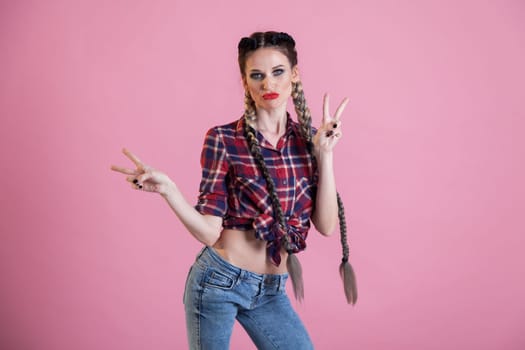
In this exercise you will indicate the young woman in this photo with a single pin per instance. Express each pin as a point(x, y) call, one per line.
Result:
point(264, 178)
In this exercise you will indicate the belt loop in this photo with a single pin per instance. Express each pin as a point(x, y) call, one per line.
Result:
point(260, 286)
point(238, 278)
point(200, 253)
point(241, 276)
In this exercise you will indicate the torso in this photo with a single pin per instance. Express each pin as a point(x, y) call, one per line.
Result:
point(242, 249)
point(244, 186)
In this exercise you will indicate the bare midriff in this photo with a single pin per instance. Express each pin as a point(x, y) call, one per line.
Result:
point(242, 249)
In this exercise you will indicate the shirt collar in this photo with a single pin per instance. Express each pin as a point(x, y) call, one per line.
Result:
point(291, 126)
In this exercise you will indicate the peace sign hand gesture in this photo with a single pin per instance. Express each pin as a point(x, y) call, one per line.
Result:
point(330, 131)
point(144, 177)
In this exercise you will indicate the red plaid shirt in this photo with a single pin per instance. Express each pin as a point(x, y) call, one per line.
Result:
point(234, 188)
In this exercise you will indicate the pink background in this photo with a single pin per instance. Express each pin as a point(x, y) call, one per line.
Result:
point(430, 166)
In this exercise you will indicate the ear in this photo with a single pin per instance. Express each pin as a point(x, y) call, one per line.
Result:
point(244, 85)
point(295, 74)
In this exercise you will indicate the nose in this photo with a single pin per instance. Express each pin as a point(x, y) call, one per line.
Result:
point(267, 83)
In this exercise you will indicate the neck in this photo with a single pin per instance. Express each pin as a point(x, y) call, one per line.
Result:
point(273, 121)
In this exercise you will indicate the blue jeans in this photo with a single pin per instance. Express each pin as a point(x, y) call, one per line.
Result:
point(217, 293)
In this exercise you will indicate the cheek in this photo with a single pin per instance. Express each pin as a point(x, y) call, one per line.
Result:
point(252, 90)
point(287, 86)
point(252, 86)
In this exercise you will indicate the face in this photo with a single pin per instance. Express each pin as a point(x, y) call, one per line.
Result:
point(268, 78)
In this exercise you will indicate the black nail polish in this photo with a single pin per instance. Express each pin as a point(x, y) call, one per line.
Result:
point(135, 181)
point(140, 186)
point(329, 133)
point(335, 125)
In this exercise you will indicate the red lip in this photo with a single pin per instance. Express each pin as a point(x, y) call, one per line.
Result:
point(271, 96)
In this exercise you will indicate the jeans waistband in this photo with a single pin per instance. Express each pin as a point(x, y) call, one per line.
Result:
point(277, 281)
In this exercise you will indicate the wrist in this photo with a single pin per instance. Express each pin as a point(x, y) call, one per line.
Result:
point(169, 190)
point(324, 157)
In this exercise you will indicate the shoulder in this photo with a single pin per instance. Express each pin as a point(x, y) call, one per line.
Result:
point(296, 126)
point(299, 136)
point(226, 138)
point(225, 130)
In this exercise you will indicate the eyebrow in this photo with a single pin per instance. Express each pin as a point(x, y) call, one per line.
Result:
point(278, 66)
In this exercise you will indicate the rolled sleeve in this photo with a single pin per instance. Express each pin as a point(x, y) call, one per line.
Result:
point(212, 199)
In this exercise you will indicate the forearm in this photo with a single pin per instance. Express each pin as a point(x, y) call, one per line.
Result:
point(205, 228)
point(325, 215)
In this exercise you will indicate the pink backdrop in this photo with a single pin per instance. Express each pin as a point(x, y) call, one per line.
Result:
point(431, 167)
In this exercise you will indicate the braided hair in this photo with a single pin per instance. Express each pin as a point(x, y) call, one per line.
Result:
point(286, 45)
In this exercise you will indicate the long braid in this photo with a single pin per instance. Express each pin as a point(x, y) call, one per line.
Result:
point(303, 112)
point(256, 152)
point(286, 45)
point(345, 269)
point(305, 119)
point(342, 227)
point(293, 265)
point(249, 108)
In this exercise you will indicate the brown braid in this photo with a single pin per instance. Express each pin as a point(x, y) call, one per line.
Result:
point(286, 44)
point(303, 112)
point(249, 108)
point(305, 119)
point(292, 263)
point(342, 228)
point(253, 144)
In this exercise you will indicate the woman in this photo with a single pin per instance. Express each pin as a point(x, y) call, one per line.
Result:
point(265, 177)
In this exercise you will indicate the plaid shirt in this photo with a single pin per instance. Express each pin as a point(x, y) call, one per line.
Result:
point(234, 188)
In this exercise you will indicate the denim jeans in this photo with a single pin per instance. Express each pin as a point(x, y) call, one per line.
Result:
point(217, 293)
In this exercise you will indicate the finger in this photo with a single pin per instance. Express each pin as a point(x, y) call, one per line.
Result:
point(150, 187)
point(124, 170)
point(133, 158)
point(336, 124)
point(132, 179)
point(137, 186)
point(145, 187)
point(326, 108)
point(341, 108)
point(144, 177)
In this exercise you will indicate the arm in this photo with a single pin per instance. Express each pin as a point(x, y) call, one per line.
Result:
point(325, 216)
point(205, 228)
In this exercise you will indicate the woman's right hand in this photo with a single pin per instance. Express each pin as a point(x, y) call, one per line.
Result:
point(144, 177)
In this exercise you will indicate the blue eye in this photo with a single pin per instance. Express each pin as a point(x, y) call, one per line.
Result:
point(256, 76)
point(278, 71)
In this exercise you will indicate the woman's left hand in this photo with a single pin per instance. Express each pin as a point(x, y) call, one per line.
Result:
point(329, 132)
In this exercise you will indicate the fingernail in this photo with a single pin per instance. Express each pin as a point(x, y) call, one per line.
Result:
point(135, 181)
point(329, 133)
point(335, 125)
point(140, 186)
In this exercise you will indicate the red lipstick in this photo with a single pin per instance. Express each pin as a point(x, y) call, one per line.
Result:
point(271, 96)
